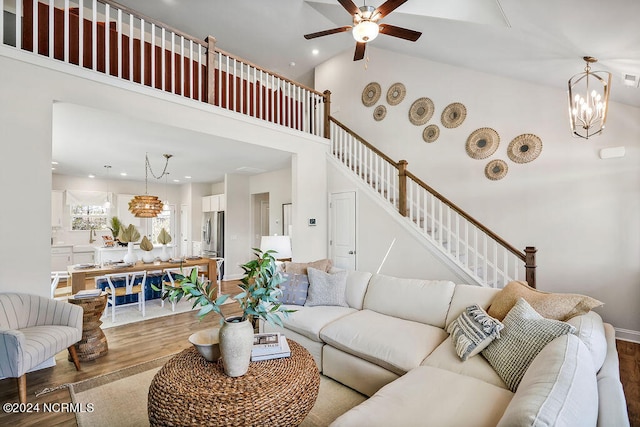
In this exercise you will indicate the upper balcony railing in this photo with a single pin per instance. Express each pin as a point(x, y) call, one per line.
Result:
point(125, 44)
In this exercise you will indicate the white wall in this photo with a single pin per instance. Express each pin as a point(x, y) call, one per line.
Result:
point(29, 86)
point(579, 211)
point(237, 224)
point(278, 185)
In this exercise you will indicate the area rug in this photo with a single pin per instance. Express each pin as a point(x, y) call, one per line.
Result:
point(120, 398)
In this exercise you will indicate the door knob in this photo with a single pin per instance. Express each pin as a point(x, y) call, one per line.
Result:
point(352, 252)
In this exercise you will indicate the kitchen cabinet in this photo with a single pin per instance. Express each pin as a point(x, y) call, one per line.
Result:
point(214, 203)
point(57, 207)
point(61, 257)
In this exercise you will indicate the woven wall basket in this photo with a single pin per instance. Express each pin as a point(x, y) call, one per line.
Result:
point(431, 133)
point(371, 94)
point(524, 148)
point(379, 113)
point(496, 169)
point(396, 94)
point(453, 115)
point(421, 111)
point(482, 143)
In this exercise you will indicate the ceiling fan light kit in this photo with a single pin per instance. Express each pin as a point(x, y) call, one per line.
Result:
point(366, 25)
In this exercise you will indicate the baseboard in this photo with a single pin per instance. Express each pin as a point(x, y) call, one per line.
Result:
point(627, 335)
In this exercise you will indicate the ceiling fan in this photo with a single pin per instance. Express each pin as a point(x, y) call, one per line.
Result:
point(366, 25)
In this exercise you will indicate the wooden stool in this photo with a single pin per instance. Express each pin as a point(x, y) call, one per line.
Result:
point(93, 343)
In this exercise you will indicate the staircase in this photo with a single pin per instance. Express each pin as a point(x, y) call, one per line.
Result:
point(463, 241)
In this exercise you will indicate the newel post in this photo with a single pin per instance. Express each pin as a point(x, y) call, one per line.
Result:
point(327, 113)
point(211, 69)
point(530, 265)
point(402, 187)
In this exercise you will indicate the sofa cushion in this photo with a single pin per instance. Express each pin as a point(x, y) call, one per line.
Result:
point(309, 321)
point(294, 289)
point(473, 331)
point(549, 305)
point(327, 289)
point(525, 333)
point(590, 329)
point(465, 295)
point(429, 396)
point(424, 301)
point(395, 344)
point(445, 357)
point(357, 282)
point(301, 267)
point(559, 388)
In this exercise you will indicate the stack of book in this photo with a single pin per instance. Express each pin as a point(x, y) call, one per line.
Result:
point(269, 346)
point(88, 293)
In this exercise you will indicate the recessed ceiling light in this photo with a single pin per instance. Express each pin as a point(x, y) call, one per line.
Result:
point(176, 180)
point(54, 163)
point(123, 174)
point(315, 51)
point(53, 168)
point(187, 177)
point(292, 64)
point(91, 175)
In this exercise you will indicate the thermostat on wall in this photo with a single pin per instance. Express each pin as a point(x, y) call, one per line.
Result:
point(312, 221)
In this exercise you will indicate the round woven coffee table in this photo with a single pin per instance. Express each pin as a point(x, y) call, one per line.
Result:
point(188, 390)
point(93, 343)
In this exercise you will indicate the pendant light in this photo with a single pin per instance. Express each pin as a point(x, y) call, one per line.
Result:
point(146, 206)
point(589, 100)
point(107, 204)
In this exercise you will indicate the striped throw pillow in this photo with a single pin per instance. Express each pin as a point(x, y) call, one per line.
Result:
point(473, 331)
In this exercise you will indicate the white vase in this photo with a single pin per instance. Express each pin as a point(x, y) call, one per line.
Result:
point(236, 341)
point(130, 257)
point(147, 257)
point(164, 255)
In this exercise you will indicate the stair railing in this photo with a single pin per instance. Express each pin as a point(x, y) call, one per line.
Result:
point(480, 252)
point(113, 39)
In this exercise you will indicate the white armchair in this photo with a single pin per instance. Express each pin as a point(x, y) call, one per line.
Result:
point(32, 330)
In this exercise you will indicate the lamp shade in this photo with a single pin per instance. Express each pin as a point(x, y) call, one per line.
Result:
point(365, 31)
point(280, 244)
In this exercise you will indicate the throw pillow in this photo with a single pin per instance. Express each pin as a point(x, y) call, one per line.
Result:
point(301, 267)
point(473, 331)
point(549, 305)
point(524, 335)
point(294, 289)
point(327, 289)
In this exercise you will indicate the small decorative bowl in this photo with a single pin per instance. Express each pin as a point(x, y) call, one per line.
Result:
point(207, 344)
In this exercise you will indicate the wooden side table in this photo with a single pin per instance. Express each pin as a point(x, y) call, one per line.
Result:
point(188, 390)
point(93, 343)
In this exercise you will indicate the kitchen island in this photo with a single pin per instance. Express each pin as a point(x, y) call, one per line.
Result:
point(81, 277)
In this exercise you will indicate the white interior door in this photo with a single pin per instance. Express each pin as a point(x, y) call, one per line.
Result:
point(342, 242)
point(184, 230)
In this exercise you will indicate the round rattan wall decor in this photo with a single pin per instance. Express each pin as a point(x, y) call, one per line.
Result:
point(421, 111)
point(371, 94)
point(431, 133)
point(396, 94)
point(482, 143)
point(496, 169)
point(453, 115)
point(524, 148)
point(379, 113)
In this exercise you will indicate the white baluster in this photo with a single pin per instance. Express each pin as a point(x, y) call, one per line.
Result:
point(153, 55)
point(94, 36)
point(119, 32)
point(81, 33)
point(52, 7)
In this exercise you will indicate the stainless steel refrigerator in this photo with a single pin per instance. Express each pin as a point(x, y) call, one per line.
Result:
point(213, 234)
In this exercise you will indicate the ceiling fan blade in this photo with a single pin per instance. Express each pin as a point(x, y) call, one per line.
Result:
point(386, 8)
point(327, 32)
point(350, 6)
point(403, 33)
point(359, 53)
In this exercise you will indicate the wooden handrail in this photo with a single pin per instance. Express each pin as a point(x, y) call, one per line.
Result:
point(365, 143)
point(466, 216)
point(283, 78)
point(153, 21)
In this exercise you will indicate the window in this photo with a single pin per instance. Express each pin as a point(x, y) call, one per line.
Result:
point(163, 220)
point(85, 217)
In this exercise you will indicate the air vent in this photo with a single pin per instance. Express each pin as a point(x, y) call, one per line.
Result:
point(631, 80)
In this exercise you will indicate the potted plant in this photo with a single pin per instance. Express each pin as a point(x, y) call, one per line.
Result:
point(164, 239)
point(129, 235)
point(116, 225)
point(147, 247)
point(258, 299)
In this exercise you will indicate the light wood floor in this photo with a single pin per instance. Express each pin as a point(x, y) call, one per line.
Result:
point(137, 343)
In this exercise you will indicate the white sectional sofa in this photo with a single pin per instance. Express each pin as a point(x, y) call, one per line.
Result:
point(391, 344)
